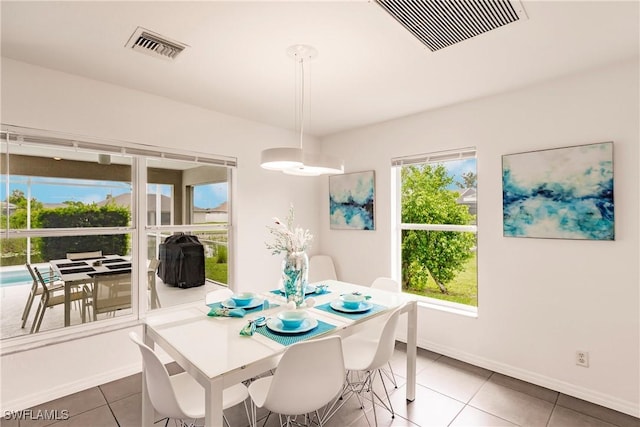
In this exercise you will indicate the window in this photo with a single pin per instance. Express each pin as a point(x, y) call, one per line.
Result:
point(436, 245)
point(62, 194)
point(198, 205)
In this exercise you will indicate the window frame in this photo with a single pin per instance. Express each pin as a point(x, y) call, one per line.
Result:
point(138, 229)
point(397, 226)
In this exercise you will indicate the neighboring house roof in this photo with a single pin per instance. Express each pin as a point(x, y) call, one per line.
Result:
point(124, 200)
point(4, 205)
point(221, 208)
point(468, 195)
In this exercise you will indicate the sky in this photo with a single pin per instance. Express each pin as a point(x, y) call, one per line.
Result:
point(56, 190)
point(457, 168)
point(53, 190)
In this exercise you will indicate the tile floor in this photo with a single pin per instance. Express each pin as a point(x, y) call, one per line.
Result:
point(449, 393)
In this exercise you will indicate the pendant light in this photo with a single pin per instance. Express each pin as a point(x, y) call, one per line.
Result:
point(294, 160)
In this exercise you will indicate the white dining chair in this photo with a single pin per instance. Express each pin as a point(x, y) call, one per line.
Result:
point(309, 376)
point(218, 295)
point(366, 354)
point(321, 267)
point(180, 396)
point(386, 284)
point(391, 285)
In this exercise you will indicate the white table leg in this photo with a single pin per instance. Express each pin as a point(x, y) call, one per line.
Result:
point(213, 400)
point(412, 350)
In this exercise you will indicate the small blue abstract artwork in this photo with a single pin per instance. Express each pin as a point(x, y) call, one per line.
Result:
point(351, 201)
point(562, 193)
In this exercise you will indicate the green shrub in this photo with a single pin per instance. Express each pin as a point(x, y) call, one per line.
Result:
point(83, 216)
point(222, 254)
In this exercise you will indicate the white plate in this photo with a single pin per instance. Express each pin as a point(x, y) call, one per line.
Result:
point(310, 289)
point(336, 304)
point(307, 324)
point(255, 302)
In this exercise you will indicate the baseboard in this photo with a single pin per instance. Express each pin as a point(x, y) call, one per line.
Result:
point(620, 405)
point(47, 394)
point(51, 393)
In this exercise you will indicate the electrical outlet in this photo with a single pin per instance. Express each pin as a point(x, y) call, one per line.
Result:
point(582, 358)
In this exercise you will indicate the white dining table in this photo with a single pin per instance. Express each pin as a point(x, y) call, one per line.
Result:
point(212, 350)
point(78, 272)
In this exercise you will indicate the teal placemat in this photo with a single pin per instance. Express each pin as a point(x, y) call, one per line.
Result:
point(288, 339)
point(375, 308)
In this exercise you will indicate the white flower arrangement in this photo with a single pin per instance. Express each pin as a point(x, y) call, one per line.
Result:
point(287, 238)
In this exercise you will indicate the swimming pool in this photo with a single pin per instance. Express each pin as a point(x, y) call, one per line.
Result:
point(14, 277)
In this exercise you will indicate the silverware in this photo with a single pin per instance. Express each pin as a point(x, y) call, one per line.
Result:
point(260, 321)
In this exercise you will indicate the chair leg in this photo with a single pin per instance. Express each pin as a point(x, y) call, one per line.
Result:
point(253, 421)
point(390, 407)
point(37, 321)
point(392, 376)
point(373, 403)
point(27, 308)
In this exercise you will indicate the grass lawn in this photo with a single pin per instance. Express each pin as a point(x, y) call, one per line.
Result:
point(463, 289)
point(215, 271)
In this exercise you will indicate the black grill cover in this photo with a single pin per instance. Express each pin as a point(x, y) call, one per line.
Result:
point(182, 261)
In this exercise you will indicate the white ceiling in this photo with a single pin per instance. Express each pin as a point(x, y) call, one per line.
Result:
point(369, 68)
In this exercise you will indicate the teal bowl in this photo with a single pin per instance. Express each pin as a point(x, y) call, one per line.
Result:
point(243, 299)
point(292, 319)
point(352, 301)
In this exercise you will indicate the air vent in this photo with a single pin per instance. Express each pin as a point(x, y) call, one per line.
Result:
point(442, 23)
point(148, 42)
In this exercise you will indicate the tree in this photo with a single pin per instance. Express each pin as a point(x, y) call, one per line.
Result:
point(439, 254)
point(469, 180)
point(14, 250)
point(18, 218)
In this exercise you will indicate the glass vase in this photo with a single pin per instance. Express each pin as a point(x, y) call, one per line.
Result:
point(295, 273)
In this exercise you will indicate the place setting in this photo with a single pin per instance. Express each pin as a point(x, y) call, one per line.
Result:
point(239, 304)
point(287, 327)
point(353, 305)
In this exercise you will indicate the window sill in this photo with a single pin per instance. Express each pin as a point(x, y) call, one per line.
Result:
point(57, 336)
point(447, 307)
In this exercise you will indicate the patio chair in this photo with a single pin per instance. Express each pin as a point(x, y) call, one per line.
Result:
point(76, 256)
point(109, 293)
point(154, 300)
point(36, 289)
point(49, 299)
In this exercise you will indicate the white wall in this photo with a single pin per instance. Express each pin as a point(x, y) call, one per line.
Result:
point(539, 300)
point(46, 99)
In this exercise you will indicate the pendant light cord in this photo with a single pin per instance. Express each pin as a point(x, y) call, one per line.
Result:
point(301, 100)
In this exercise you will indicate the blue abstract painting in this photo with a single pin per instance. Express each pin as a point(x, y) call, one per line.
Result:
point(562, 193)
point(351, 201)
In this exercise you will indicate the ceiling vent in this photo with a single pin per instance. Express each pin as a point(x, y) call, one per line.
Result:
point(442, 23)
point(145, 41)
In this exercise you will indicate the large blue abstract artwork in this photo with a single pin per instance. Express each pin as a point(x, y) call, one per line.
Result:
point(351, 201)
point(562, 193)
